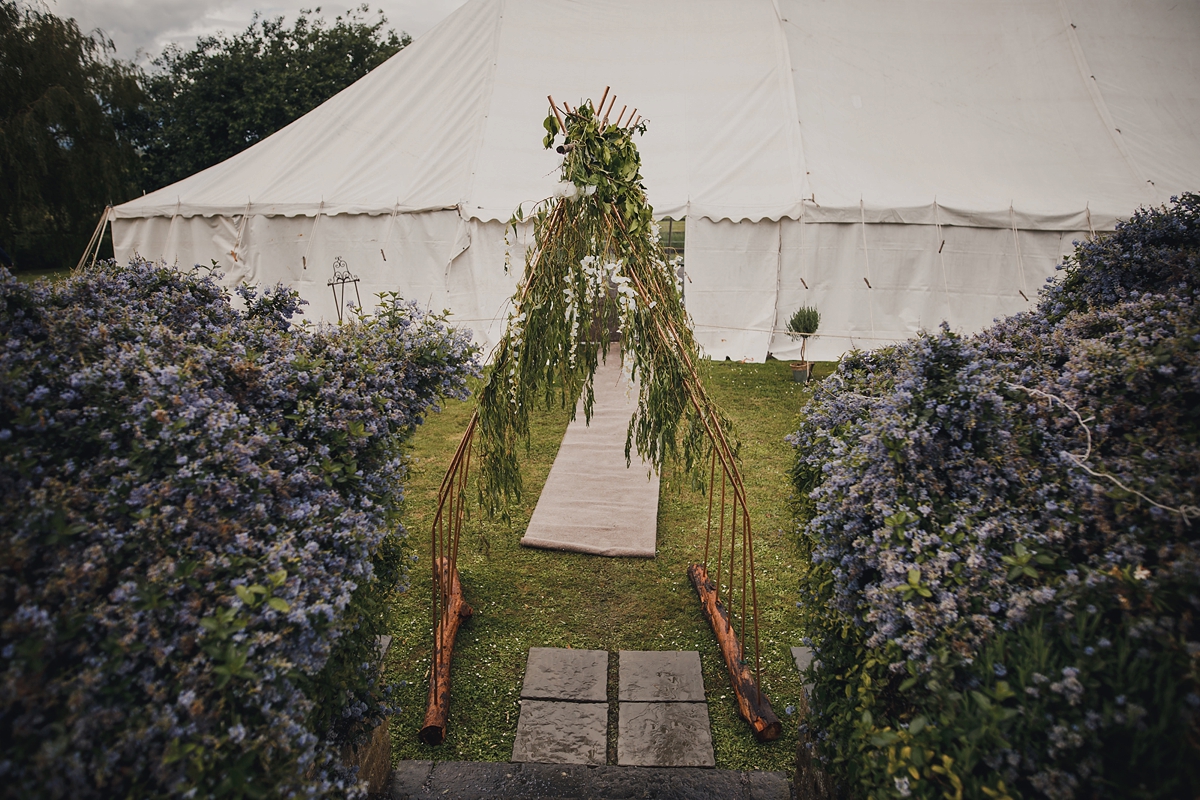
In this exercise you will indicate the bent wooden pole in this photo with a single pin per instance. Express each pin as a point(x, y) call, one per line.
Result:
point(752, 703)
point(433, 731)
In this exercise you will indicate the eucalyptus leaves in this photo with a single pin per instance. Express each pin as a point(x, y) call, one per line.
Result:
point(596, 268)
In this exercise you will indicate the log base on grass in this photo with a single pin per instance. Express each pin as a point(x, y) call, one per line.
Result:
point(752, 703)
point(433, 731)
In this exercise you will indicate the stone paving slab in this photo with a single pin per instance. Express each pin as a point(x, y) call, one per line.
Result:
point(473, 781)
point(560, 732)
point(409, 778)
point(558, 673)
point(664, 735)
point(803, 657)
point(768, 785)
point(660, 676)
point(665, 783)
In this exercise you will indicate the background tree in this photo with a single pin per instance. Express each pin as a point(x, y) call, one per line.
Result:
point(66, 108)
point(218, 98)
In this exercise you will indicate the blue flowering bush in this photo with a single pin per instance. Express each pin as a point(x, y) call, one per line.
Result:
point(1003, 534)
point(199, 507)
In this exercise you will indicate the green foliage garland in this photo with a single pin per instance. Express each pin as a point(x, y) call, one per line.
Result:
point(596, 265)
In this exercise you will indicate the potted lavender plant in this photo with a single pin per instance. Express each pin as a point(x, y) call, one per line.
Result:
point(803, 324)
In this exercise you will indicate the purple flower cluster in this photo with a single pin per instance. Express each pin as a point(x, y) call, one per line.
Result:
point(1154, 249)
point(199, 509)
point(984, 511)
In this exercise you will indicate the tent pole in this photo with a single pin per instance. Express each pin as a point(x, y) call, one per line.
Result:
point(94, 242)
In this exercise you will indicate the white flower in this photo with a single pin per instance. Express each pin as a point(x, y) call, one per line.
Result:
point(1141, 573)
point(589, 190)
point(567, 189)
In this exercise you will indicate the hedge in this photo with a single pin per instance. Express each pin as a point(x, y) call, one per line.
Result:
point(199, 509)
point(1003, 534)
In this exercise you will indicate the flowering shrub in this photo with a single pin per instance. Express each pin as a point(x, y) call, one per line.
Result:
point(199, 516)
point(1003, 534)
point(1155, 249)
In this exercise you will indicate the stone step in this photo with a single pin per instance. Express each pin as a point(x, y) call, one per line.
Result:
point(662, 717)
point(472, 780)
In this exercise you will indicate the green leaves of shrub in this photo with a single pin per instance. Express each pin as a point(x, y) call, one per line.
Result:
point(190, 597)
point(256, 594)
point(1002, 528)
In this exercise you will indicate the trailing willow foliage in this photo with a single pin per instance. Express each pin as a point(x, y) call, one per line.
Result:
point(596, 269)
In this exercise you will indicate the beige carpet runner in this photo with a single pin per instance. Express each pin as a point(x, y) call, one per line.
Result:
point(592, 502)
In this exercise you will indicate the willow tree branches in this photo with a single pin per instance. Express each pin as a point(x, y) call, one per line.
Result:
point(596, 267)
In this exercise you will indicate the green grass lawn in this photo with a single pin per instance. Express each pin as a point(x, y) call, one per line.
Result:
point(535, 598)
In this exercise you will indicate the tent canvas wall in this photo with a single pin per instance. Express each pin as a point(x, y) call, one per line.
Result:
point(894, 163)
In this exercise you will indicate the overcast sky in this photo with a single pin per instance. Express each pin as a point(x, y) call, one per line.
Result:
point(148, 25)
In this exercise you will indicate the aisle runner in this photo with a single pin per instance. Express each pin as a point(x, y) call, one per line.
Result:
point(592, 502)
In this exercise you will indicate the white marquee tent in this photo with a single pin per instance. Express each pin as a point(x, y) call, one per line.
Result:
point(895, 163)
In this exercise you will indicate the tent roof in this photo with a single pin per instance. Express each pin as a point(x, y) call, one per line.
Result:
point(1034, 113)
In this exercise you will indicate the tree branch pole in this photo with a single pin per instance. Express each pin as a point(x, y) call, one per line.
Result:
point(433, 731)
point(448, 606)
point(703, 406)
point(762, 719)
